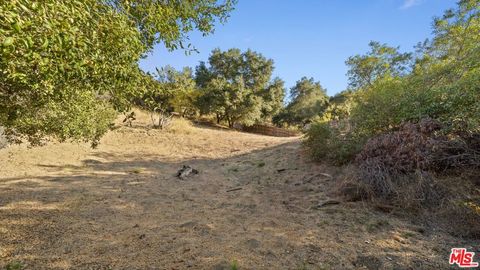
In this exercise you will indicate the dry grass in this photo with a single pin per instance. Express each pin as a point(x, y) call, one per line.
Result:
point(427, 199)
point(181, 126)
point(120, 206)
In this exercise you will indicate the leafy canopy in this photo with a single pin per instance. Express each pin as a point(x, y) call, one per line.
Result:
point(379, 62)
point(443, 84)
point(171, 91)
point(237, 87)
point(308, 100)
point(169, 22)
point(66, 66)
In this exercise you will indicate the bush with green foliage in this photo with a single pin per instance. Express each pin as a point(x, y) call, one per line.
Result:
point(14, 266)
point(416, 128)
point(389, 102)
point(443, 83)
point(332, 142)
point(183, 87)
point(339, 106)
point(156, 100)
point(176, 90)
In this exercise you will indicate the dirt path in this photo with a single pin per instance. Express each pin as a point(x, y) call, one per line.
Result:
point(66, 206)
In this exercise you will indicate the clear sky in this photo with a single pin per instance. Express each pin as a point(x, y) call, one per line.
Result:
point(311, 38)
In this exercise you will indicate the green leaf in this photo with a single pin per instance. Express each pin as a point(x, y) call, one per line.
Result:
point(17, 27)
point(8, 42)
point(45, 44)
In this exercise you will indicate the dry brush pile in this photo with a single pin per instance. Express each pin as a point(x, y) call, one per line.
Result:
point(418, 167)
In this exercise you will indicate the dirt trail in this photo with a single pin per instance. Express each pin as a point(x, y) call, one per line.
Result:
point(66, 206)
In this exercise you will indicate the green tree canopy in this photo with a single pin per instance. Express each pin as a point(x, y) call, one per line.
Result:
point(339, 106)
point(443, 85)
point(178, 89)
point(237, 87)
point(272, 99)
point(67, 65)
point(169, 22)
point(308, 100)
point(380, 61)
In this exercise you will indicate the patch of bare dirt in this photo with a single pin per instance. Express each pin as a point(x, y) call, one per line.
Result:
point(256, 200)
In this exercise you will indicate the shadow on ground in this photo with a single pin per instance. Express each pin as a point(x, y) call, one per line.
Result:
point(130, 211)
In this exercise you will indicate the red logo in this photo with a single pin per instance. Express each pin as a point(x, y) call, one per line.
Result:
point(462, 258)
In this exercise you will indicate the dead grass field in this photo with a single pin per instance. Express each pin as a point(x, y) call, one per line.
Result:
point(67, 206)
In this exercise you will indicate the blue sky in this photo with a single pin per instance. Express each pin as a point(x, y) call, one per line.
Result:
point(311, 38)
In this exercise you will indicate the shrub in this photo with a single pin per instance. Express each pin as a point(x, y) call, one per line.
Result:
point(379, 107)
point(415, 191)
point(14, 266)
point(402, 151)
point(454, 103)
point(467, 213)
point(421, 126)
point(331, 143)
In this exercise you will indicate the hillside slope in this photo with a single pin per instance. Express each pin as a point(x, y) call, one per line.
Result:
point(121, 206)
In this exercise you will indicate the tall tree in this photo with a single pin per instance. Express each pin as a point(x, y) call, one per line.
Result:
point(66, 66)
point(380, 61)
point(236, 87)
point(446, 78)
point(443, 85)
point(272, 99)
point(308, 100)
